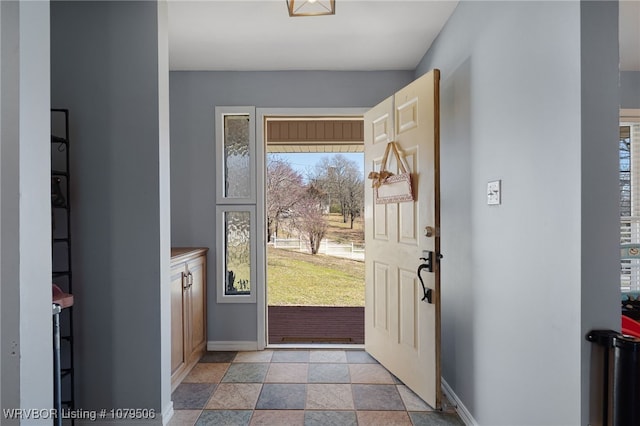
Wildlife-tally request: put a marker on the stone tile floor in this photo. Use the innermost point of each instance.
(299, 387)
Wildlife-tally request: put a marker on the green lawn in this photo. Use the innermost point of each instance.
(303, 279)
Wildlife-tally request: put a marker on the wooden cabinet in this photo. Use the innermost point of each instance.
(188, 310)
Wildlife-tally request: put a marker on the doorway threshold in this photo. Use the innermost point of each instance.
(327, 346)
(315, 324)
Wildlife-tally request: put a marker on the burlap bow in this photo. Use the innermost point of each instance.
(379, 177)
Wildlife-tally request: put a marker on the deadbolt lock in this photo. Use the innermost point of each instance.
(429, 231)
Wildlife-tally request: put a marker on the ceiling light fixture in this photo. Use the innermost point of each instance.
(311, 7)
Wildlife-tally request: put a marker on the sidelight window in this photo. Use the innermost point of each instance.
(236, 204)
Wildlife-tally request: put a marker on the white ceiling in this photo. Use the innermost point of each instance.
(248, 35)
(244, 35)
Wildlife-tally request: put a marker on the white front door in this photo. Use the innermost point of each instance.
(402, 331)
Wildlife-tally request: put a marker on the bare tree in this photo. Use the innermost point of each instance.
(309, 218)
(285, 189)
(354, 197)
(342, 180)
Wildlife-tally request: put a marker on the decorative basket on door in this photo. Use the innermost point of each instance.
(389, 187)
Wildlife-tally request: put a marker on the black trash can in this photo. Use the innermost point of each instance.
(621, 373)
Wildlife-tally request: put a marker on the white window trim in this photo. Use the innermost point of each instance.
(225, 204)
(220, 112)
(221, 279)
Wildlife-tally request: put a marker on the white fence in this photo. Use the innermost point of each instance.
(328, 247)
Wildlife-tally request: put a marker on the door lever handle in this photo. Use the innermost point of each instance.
(428, 264)
(428, 261)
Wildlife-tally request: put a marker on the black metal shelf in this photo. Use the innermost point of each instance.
(61, 250)
(58, 139)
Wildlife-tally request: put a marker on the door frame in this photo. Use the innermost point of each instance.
(261, 217)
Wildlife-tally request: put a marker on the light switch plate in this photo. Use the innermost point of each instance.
(493, 192)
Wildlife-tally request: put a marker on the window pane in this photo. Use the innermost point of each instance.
(624, 150)
(237, 156)
(238, 252)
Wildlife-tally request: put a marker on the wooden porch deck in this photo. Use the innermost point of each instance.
(316, 324)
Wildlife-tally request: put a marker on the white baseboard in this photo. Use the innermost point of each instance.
(462, 411)
(167, 413)
(232, 346)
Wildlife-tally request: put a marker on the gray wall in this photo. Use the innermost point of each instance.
(105, 69)
(194, 95)
(600, 205)
(630, 89)
(26, 370)
(524, 101)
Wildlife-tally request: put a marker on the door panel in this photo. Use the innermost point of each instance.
(382, 127)
(407, 116)
(177, 320)
(408, 309)
(408, 226)
(401, 330)
(196, 268)
(380, 221)
(380, 298)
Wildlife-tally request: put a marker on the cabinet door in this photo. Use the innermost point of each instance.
(196, 273)
(177, 317)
